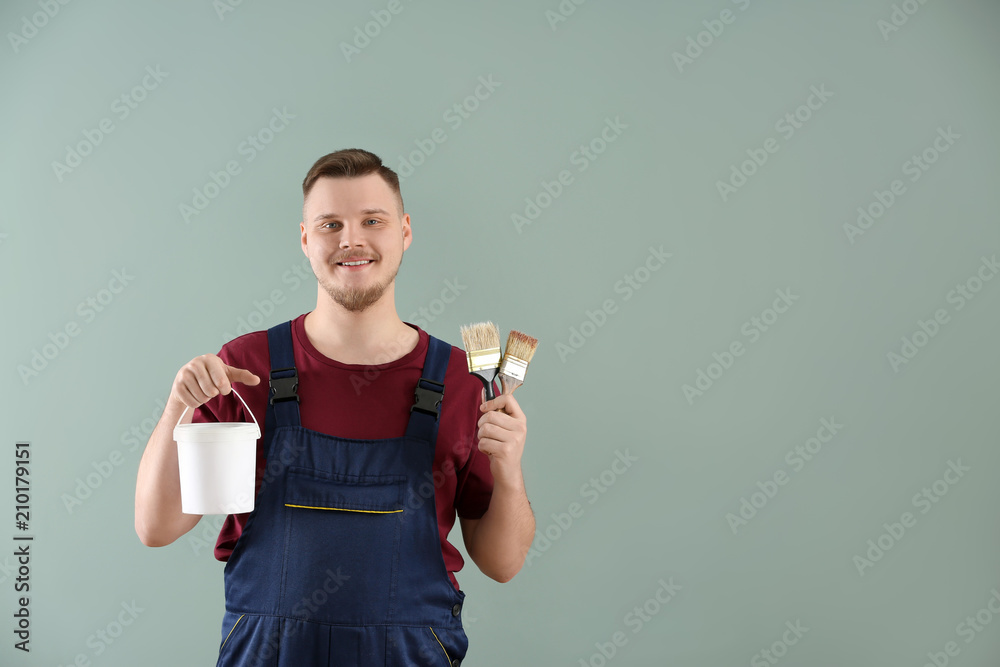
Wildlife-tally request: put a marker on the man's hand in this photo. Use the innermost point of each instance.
(205, 377)
(499, 541)
(502, 431)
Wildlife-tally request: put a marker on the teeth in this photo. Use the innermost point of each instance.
(356, 263)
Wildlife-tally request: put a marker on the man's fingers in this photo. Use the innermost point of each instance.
(187, 397)
(206, 383)
(220, 378)
(500, 419)
(506, 404)
(242, 376)
(513, 408)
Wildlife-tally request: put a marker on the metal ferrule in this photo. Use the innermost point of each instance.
(484, 359)
(514, 367)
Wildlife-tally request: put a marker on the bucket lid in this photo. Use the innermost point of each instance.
(216, 432)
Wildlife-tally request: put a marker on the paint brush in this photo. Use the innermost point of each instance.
(518, 352)
(482, 347)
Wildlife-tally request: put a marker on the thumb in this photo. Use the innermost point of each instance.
(242, 375)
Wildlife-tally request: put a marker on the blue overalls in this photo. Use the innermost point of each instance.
(340, 560)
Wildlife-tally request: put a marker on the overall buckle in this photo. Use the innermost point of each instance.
(428, 400)
(283, 388)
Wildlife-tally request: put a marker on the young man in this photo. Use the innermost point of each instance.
(364, 460)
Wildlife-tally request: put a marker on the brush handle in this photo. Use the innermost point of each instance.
(509, 384)
(487, 381)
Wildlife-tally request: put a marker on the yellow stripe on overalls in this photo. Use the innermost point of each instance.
(344, 509)
(440, 644)
(231, 631)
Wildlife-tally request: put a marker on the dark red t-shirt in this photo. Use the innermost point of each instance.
(368, 402)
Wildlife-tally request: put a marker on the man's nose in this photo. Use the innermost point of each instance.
(352, 235)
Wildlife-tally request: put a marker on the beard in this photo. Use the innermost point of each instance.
(358, 299)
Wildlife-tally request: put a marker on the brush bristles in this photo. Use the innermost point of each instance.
(521, 346)
(482, 346)
(520, 349)
(480, 336)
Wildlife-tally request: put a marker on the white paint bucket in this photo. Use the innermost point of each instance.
(217, 463)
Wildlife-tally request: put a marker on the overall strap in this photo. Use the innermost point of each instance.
(426, 410)
(283, 402)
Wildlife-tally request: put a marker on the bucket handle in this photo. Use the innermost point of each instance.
(241, 401)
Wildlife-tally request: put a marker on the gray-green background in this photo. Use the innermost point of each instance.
(828, 356)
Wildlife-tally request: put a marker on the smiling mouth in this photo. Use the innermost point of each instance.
(355, 266)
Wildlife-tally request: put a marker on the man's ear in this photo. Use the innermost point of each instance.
(407, 232)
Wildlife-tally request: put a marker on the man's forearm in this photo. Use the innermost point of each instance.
(506, 530)
(158, 517)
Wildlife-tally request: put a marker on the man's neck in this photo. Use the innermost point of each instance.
(373, 336)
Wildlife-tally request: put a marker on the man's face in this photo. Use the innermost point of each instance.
(354, 218)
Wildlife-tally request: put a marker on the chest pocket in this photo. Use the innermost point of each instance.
(320, 490)
(342, 538)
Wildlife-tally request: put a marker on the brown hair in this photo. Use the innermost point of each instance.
(350, 163)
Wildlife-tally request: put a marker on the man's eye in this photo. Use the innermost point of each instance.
(375, 220)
